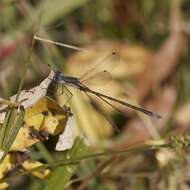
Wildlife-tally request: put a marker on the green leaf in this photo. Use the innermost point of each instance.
(15, 129)
(11, 126)
(9, 122)
(61, 175)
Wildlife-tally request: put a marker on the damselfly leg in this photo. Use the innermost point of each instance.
(55, 90)
(99, 110)
(71, 94)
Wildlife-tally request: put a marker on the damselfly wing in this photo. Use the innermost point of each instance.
(97, 73)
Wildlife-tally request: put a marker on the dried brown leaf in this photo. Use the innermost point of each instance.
(137, 131)
(182, 118)
(163, 63)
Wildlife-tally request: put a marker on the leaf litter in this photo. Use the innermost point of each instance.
(43, 117)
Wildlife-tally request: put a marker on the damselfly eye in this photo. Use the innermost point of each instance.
(58, 76)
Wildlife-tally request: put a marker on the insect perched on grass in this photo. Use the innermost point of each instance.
(79, 83)
(76, 83)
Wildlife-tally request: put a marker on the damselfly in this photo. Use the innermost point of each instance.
(76, 83)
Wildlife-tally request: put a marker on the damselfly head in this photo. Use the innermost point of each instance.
(58, 76)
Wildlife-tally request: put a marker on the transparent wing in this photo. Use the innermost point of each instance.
(101, 78)
(100, 72)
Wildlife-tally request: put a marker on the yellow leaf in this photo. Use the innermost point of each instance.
(3, 185)
(20, 160)
(5, 166)
(29, 165)
(42, 119)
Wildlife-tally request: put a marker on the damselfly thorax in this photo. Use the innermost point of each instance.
(67, 80)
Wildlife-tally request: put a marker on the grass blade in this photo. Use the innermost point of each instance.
(15, 129)
(7, 125)
(61, 176)
(13, 122)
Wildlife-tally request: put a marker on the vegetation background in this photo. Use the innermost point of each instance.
(152, 41)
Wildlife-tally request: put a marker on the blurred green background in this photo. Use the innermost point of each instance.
(152, 41)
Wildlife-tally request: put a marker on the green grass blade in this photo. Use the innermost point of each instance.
(26, 67)
(9, 121)
(15, 129)
(13, 122)
(45, 153)
(61, 175)
(3, 128)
